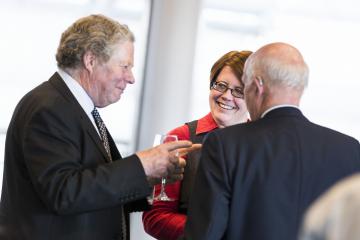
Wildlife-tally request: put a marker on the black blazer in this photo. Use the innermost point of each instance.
(255, 180)
(57, 182)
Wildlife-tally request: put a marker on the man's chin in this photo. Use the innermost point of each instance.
(116, 99)
(109, 102)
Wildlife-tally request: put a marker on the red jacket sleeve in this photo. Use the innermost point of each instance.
(164, 221)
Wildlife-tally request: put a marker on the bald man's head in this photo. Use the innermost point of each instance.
(276, 74)
(279, 64)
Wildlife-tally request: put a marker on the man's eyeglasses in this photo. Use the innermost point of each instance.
(223, 87)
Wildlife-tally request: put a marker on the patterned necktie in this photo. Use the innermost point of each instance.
(102, 130)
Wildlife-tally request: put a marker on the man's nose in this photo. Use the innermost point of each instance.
(130, 77)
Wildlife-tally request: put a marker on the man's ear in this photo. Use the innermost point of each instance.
(89, 61)
(259, 85)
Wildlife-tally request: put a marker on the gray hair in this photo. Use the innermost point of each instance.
(279, 67)
(95, 33)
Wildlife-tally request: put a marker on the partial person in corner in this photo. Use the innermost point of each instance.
(64, 178)
(336, 214)
(256, 180)
(166, 220)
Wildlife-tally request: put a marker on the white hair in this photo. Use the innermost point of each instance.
(276, 70)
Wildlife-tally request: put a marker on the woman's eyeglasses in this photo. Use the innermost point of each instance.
(223, 87)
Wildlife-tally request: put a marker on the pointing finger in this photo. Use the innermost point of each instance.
(170, 146)
(194, 147)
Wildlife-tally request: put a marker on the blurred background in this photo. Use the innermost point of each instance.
(177, 41)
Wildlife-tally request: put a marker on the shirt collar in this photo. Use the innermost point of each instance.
(278, 106)
(78, 91)
(206, 124)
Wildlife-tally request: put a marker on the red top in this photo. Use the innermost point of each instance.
(164, 221)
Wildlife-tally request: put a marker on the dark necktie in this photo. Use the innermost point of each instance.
(103, 134)
(102, 130)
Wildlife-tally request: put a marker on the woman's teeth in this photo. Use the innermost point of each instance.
(227, 107)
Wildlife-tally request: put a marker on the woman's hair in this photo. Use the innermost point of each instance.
(234, 59)
(95, 33)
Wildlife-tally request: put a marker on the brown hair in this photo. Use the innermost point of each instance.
(95, 33)
(234, 59)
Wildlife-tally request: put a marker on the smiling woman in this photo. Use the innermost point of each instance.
(166, 220)
(228, 107)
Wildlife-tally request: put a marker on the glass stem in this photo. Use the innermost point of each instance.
(163, 182)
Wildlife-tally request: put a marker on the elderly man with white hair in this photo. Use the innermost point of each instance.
(255, 180)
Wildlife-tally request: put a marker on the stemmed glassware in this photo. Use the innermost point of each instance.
(159, 139)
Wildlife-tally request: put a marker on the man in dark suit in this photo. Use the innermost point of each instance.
(63, 175)
(255, 180)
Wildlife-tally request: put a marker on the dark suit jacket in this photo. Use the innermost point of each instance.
(255, 180)
(58, 183)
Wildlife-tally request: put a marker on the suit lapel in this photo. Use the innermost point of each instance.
(94, 136)
(60, 85)
(115, 154)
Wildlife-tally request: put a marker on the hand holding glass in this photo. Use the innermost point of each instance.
(159, 139)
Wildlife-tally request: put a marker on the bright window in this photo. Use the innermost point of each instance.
(326, 32)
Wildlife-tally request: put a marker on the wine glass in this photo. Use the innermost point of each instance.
(159, 139)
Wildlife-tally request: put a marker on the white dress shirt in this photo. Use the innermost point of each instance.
(80, 94)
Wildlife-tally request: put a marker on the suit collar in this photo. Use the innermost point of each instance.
(278, 106)
(78, 92)
(288, 111)
(60, 85)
